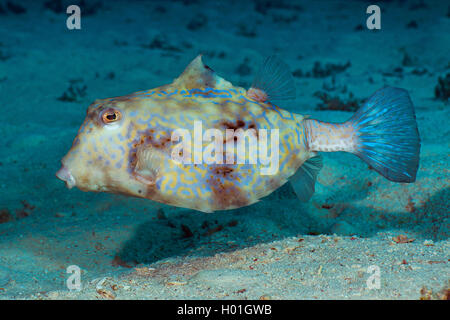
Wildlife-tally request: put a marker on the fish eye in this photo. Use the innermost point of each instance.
(111, 115)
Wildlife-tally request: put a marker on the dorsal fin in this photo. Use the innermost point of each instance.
(199, 76)
(273, 81)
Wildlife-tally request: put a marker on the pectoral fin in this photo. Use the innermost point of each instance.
(148, 164)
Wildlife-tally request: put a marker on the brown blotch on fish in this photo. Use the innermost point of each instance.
(253, 127)
(147, 138)
(94, 117)
(274, 183)
(230, 125)
(162, 143)
(151, 192)
(223, 171)
(226, 194)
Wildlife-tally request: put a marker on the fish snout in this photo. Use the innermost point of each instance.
(65, 175)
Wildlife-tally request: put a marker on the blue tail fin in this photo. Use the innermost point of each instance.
(387, 135)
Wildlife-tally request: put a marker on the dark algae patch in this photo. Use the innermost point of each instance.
(320, 70)
(5, 216)
(88, 7)
(442, 89)
(336, 103)
(15, 8)
(197, 22)
(75, 92)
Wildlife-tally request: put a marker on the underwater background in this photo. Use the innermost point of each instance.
(278, 248)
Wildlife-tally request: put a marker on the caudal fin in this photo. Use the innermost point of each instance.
(386, 134)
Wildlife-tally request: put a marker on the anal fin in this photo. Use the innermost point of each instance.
(304, 180)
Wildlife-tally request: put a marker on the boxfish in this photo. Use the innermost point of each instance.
(128, 144)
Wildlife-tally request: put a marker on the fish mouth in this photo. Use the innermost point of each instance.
(65, 175)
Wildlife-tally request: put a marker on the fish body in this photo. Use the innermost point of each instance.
(128, 144)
